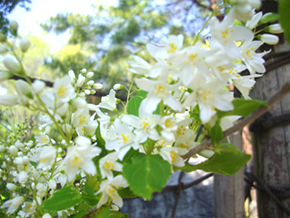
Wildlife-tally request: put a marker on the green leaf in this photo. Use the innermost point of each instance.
(62, 199)
(216, 133)
(102, 213)
(80, 214)
(242, 107)
(133, 105)
(284, 17)
(146, 174)
(225, 163)
(142, 94)
(126, 193)
(101, 144)
(118, 214)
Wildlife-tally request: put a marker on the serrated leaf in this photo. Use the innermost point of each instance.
(225, 163)
(284, 17)
(146, 174)
(126, 193)
(242, 107)
(142, 94)
(62, 199)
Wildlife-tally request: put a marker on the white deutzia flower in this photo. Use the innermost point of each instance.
(79, 158)
(109, 101)
(171, 46)
(124, 141)
(13, 204)
(172, 155)
(4, 75)
(253, 60)
(109, 163)
(29, 208)
(81, 117)
(168, 123)
(139, 66)
(269, 39)
(144, 124)
(108, 188)
(42, 139)
(80, 81)
(225, 35)
(251, 24)
(209, 95)
(45, 157)
(12, 64)
(22, 177)
(157, 91)
(63, 89)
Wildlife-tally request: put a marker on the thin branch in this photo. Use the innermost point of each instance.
(207, 144)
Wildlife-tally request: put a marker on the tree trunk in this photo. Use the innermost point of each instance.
(229, 190)
(271, 145)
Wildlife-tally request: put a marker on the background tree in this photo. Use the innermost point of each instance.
(6, 7)
(113, 33)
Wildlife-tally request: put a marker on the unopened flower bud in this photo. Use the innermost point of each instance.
(24, 45)
(90, 83)
(8, 100)
(13, 150)
(3, 49)
(18, 161)
(5, 75)
(80, 81)
(98, 86)
(93, 92)
(38, 86)
(11, 186)
(72, 75)
(118, 87)
(12, 64)
(88, 92)
(18, 144)
(269, 39)
(23, 88)
(26, 160)
(79, 103)
(90, 74)
(84, 70)
(13, 25)
(274, 28)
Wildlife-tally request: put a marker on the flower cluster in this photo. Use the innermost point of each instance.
(186, 87)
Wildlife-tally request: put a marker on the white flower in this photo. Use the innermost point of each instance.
(82, 141)
(29, 208)
(81, 117)
(23, 88)
(225, 35)
(124, 141)
(45, 157)
(251, 24)
(13, 25)
(72, 75)
(139, 66)
(109, 163)
(253, 60)
(4, 75)
(13, 204)
(98, 86)
(11, 186)
(42, 139)
(24, 45)
(80, 81)
(172, 155)
(144, 124)
(109, 101)
(47, 215)
(108, 188)
(22, 177)
(63, 89)
(269, 39)
(118, 86)
(38, 86)
(79, 158)
(274, 28)
(8, 100)
(12, 64)
(157, 91)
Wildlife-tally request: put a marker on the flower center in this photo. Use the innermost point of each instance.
(109, 165)
(61, 90)
(172, 48)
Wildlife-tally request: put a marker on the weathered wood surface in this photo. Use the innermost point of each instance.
(194, 202)
(271, 147)
(229, 190)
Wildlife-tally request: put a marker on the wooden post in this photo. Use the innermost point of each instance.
(229, 190)
(272, 145)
